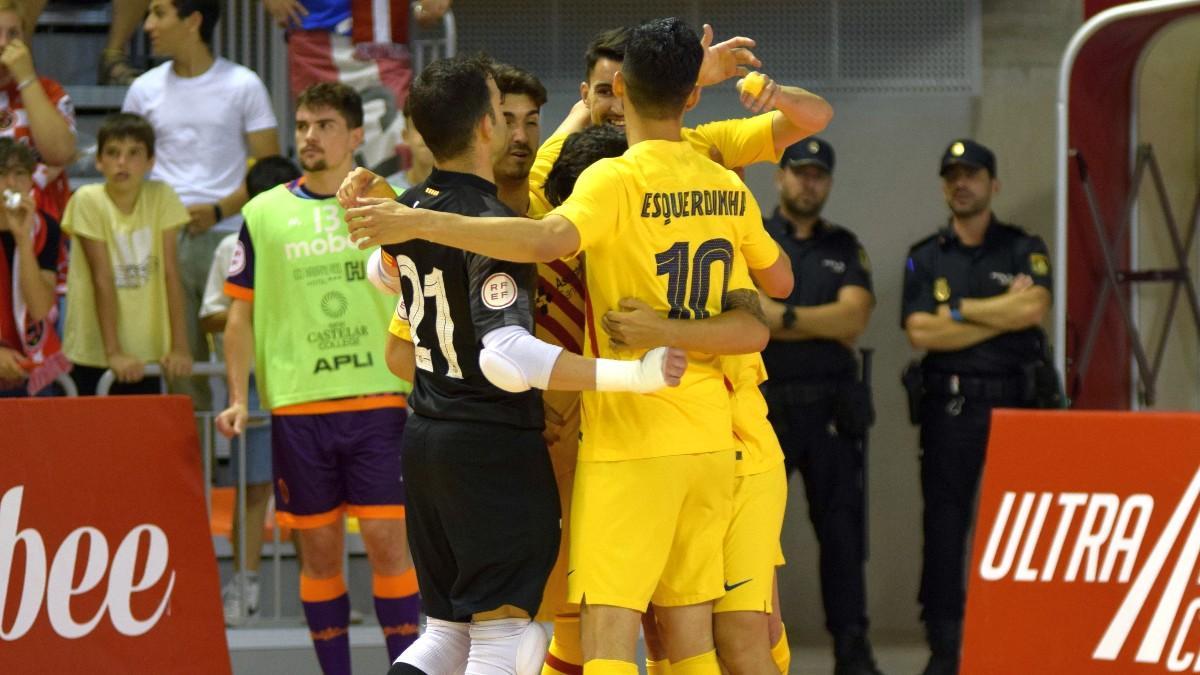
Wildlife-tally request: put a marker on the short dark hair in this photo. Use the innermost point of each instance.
(118, 126)
(513, 80)
(269, 172)
(14, 153)
(447, 101)
(340, 97)
(662, 61)
(581, 150)
(210, 13)
(609, 44)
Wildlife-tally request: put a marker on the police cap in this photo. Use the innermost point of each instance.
(811, 150)
(967, 152)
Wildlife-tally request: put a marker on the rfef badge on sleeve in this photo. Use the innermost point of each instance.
(499, 291)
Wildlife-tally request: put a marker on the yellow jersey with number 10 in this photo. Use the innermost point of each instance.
(662, 223)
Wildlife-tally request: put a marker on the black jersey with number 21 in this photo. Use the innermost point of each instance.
(452, 298)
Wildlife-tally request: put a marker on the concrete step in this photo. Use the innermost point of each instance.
(72, 16)
(289, 651)
(99, 98)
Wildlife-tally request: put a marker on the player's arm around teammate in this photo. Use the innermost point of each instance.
(514, 360)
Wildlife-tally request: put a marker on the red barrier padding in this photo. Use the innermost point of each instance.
(106, 562)
(1086, 545)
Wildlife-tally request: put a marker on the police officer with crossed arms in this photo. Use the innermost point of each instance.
(818, 409)
(975, 294)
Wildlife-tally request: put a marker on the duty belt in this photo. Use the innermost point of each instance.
(994, 387)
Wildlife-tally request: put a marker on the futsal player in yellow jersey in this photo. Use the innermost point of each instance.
(653, 491)
(734, 143)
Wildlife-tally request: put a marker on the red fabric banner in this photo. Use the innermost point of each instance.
(1086, 545)
(106, 562)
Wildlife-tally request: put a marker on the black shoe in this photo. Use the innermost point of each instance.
(945, 645)
(852, 653)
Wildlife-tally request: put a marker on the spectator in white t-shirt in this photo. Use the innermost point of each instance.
(209, 115)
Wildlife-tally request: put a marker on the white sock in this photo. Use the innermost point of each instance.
(441, 650)
(506, 647)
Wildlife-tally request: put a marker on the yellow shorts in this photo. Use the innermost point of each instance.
(563, 455)
(650, 530)
(752, 549)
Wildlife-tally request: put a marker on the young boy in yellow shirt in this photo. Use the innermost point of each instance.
(124, 300)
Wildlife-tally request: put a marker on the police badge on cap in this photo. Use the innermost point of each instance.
(811, 150)
(967, 152)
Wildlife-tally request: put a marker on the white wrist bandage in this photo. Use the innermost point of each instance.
(384, 277)
(642, 376)
(516, 361)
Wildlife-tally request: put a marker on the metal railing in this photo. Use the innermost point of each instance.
(207, 425)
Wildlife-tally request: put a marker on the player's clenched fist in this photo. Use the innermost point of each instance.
(377, 222)
(362, 183)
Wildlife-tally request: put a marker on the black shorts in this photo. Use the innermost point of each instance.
(483, 516)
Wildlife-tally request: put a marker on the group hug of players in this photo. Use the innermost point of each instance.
(660, 501)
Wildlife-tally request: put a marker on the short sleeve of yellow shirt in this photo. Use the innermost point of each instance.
(595, 205)
(756, 246)
(740, 142)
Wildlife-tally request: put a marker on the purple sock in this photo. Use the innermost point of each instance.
(329, 626)
(398, 618)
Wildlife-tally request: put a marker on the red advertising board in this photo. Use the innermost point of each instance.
(106, 563)
(1086, 545)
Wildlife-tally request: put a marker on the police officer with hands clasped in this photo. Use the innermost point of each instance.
(818, 406)
(975, 294)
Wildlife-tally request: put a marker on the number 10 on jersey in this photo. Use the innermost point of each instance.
(676, 262)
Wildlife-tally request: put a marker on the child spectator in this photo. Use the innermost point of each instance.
(124, 301)
(30, 357)
(240, 596)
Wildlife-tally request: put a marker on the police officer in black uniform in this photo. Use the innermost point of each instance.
(974, 295)
(813, 376)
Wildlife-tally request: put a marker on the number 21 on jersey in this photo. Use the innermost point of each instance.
(433, 288)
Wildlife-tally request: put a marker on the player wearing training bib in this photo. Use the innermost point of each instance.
(305, 314)
(654, 484)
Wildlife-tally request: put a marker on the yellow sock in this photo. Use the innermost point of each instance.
(782, 653)
(565, 656)
(662, 667)
(609, 667)
(701, 664)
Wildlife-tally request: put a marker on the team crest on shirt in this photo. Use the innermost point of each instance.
(499, 291)
(941, 289)
(7, 119)
(238, 262)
